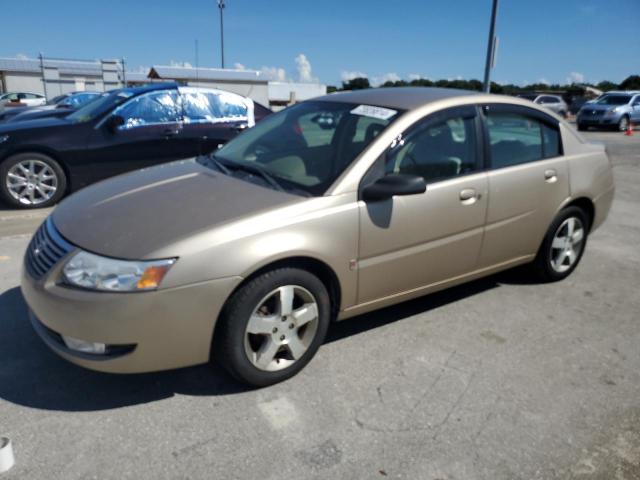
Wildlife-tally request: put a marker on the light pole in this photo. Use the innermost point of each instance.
(221, 7)
(491, 48)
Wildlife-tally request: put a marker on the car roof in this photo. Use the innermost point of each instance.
(402, 98)
(150, 87)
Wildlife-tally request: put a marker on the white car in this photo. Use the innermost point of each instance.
(28, 99)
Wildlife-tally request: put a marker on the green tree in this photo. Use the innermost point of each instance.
(632, 82)
(606, 85)
(357, 83)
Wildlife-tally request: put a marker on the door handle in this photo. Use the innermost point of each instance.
(469, 196)
(170, 132)
(550, 176)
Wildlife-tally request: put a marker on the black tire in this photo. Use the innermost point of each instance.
(228, 347)
(542, 265)
(582, 127)
(60, 180)
(623, 123)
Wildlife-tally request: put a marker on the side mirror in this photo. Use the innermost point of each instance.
(394, 184)
(114, 122)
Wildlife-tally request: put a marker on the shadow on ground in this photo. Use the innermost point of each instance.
(31, 375)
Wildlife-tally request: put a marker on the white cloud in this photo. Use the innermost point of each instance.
(21, 56)
(415, 76)
(346, 75)
(173, 63)
(575, 77)
(544, 80)
(387, 77)
(304, 69)
(239, 66)
(274, 73)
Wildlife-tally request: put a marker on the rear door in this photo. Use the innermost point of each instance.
(152, 123)
(408, 242)
(212, 118)
(528, 181)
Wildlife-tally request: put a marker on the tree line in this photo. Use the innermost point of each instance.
(632, 82)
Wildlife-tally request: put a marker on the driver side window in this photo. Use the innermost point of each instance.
(436, 149)
(151, 108)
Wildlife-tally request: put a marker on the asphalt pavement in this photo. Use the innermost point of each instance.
(497, 379)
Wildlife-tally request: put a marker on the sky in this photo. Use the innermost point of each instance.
(549, 41)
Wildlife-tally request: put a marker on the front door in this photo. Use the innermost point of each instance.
(409, 242)
(149, 136)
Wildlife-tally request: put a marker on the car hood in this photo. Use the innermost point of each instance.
(593, 106)
(48, 122)
(134, 215)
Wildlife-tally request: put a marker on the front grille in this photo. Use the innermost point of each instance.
(593, 113)
(46, 248)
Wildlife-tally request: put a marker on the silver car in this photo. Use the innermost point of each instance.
(248, 254)
(613, 109)
(555, 103)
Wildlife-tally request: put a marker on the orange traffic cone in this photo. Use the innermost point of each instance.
(629, 131)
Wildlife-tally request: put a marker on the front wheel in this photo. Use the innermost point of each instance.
(272, 326)
(31, 180)
(623, 124)
(563, 245)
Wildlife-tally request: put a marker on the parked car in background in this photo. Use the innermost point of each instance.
(57, 107)
(555, 103)
(22, 98)
(42, 160)
(247, 255)
(613, 109)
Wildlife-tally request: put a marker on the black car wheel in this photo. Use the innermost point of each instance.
(31, 180)
(582, 127)
(272, 326)
(563, 245)
(623, 124)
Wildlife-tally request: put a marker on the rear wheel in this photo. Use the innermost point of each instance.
(563, 245)
(31, 180)
(272, 326)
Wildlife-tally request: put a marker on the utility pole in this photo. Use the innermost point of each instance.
(124, 72)
(221, 6)
(44, 75)
(491, 48)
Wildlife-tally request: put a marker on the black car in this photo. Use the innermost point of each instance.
(127, 129)
(59, 106)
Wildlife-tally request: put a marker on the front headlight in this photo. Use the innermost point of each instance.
(93, 272)
(613, 110)
(4, 138)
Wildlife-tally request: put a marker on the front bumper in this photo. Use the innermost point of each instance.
(161, 330)
(598, 120)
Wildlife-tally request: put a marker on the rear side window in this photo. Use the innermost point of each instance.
(213, 107)
(515, 139)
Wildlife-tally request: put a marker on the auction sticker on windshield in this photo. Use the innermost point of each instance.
(374, 112)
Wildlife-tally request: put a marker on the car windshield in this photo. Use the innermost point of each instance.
(99, 106)
(307, 146)
(613, 100)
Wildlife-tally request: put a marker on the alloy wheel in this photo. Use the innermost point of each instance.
(567, 244)
(281, 328)
(32, 182)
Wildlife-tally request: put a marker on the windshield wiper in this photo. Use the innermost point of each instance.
(219, 165)
(255, 169)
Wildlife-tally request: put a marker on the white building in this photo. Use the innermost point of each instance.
(52, 77)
